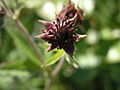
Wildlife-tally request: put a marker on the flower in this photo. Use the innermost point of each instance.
(69, 11)
(2, 12)
(61, 33)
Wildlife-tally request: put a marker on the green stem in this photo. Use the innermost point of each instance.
(23, 30)
(50, 79)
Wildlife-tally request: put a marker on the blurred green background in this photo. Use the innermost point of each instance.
(98, 54)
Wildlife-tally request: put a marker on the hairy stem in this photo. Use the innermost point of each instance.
(50, 81)
(58, 67)
(23, 30)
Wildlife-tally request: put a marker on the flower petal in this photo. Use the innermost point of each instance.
(44, 36)
(80, 17)
(80, 36)
(48, 25)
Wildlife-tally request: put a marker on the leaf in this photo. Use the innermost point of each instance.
(73, 61)
(14, 65)
(54, 58)
(20, 65)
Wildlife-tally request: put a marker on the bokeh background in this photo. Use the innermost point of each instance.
(98, 54)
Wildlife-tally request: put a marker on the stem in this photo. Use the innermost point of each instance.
(23, 30)
(7, 9)
(58, 67)
(29, 39)
(50, 81)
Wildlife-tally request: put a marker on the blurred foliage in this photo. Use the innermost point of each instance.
(98, 54)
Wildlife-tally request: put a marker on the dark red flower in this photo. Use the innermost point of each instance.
(2, 12)
(69, 11)
(61, 33)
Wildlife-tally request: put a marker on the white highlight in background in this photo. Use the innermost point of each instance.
(49, 10)
(92, 36)
(113, 55)
(87, 5)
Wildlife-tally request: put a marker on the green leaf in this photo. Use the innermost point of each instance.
(14, 65)
(54, 58)
(72, 60)
(20, 65)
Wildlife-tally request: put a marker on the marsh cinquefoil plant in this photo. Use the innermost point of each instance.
(61, 33)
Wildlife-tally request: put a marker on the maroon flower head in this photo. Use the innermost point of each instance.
(61, 33)
(69, 11)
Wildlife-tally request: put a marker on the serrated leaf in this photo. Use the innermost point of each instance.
(54, 58)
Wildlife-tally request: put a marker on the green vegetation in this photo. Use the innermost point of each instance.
(25, 64)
